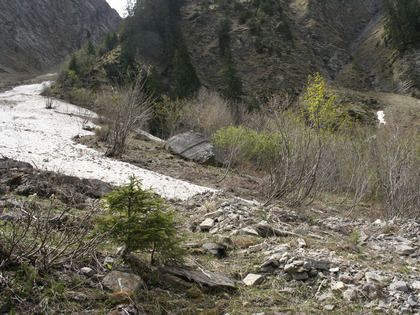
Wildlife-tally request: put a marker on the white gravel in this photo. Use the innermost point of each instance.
(43, 137)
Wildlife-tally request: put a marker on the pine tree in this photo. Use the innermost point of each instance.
(402, 24)
(140, 221)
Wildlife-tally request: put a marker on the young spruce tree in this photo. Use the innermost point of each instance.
(141, 222)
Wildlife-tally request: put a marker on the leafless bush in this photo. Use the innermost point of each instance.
(45, 237)
(207, 113)
(396, 151)
(297, 175)
(49, 102)
(124, 109)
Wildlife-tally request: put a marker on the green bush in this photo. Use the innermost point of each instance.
(261, 149)
(139, 220)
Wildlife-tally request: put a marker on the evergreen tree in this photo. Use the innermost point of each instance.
(140, 221)
(90, 49)
(184, 79)
(73, 63)
(232, 82)
(223, 30)
(402, 24)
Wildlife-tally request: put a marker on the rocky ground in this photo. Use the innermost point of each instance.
(243, 257)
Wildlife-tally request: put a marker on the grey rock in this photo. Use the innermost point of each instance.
(338, 286)
(207, 224)
(376, 279)
(404, 250)
(193, 146)
(371, 291)
(415, 285)
(87, 271)
(413, 300)
(214, 214)
(118, 281)
(329, 307)
(253, 279)
(201, 277)
(351, 294)
(216, 249)
(249, 230)
(346, 278)
(399, 286)
(300, 275)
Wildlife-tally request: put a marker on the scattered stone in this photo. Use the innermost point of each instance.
(371, 291)
(404, 250)
(300, 276)
(413, 300)
(415, 285)
(351, 295)
(192, 245)
(214, 214)
(329, 307)
(216, 249)
(201, 277)
(249, 230)
(301, 243)
(338, 286)
(399, 286)
(257, 248)
(207, 224)
(253, 279)
(334, 269)
(87, 271)
(374, 278)
(359, 276)
(346, 278)
(118, 281)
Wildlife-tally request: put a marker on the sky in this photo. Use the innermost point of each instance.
(118, 5)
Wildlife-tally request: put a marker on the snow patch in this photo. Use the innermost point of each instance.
(381, 117)
(43, 137)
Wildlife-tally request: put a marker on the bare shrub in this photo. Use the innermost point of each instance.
(45, 237)
(302, 168)
(396, 151)
(207, 113)
(124, 110)
(49, 102)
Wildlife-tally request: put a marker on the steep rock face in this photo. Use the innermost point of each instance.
(36, 35)
(304, 37)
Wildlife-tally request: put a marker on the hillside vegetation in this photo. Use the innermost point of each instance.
(317, 205)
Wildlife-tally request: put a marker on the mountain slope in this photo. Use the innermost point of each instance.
(36, 35)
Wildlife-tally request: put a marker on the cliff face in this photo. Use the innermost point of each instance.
(341, 39)
(36, 35)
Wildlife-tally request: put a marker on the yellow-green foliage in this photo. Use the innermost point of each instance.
(324, 116)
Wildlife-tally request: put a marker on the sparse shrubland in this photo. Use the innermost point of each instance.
(320, 150)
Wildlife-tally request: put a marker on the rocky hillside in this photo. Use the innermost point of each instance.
(36, 35)
(276, 51)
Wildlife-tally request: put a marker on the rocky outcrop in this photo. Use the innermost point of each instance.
(36, 35)
(193, 146)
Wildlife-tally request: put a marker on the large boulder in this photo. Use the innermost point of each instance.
(194, 146)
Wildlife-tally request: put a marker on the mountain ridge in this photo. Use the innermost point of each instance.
(37, 36)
